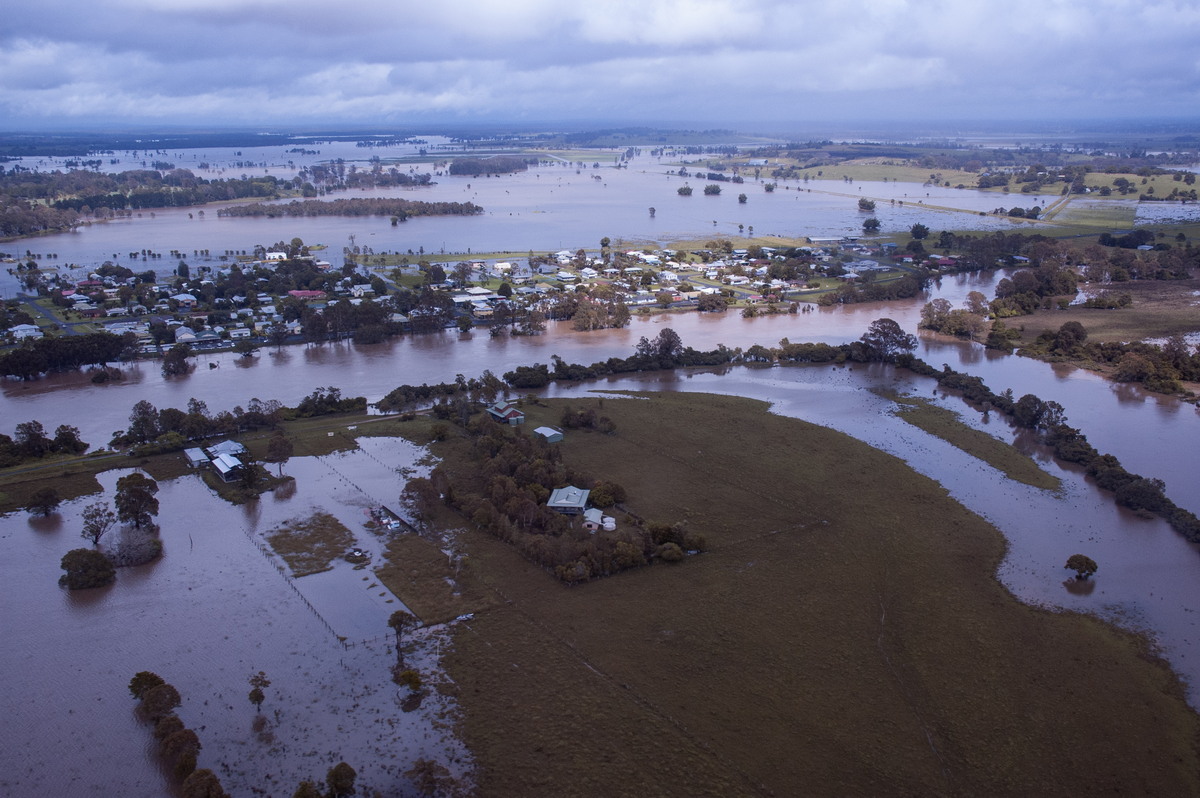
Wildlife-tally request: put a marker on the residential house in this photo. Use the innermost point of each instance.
(506, 413)
(569, 500)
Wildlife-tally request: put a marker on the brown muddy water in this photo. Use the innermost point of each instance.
(214, 610)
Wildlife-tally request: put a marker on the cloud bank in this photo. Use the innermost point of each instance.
(734, 62)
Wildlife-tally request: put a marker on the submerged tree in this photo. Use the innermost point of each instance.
(135, 499)
(258, 682)
(885, 339)
(1083, 565)
(279, 450)
(86, 568)
(340, 780)
(399, 622)
(142, 682)
(43, 502)
(97, 519)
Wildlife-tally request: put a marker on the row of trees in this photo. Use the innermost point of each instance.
(1048, 420)
(179, 746)
(397, 208)
(35, 357)
(170, 429)
(30, 442)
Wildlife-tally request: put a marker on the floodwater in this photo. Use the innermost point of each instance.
(552, 206)
(214, 610)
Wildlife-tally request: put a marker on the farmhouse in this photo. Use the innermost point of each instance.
(506, 413)
(569, 500)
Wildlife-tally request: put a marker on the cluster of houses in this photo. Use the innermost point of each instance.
(642, 278)
(224, 458)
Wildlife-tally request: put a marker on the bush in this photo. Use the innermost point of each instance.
(669, 552)
(86, 568)
(406, 677)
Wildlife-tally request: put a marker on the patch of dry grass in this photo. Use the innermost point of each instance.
(310, 545)
(1160, 308)
(423, 577)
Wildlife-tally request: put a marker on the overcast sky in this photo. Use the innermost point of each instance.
(746, 64)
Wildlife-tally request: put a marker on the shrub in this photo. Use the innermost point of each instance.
(86, 568)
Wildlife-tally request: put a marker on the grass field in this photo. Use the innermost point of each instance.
(310, 545)
(948, 426)
(1160, 308)
(843, 635)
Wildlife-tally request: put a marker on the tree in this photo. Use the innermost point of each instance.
(97, 519)
(684, 191)
(43, 501)
(175, 362)
(977, 303)
(885, 339)
(160, 701)
(143, 423)
(135, 499)
(31, 439)
(871, 225)
(865, 204)
(245, 347)
(400, 621)
(142, 682)
(181, 745)
(919, 231)
(307, 789)
(203, 783)
(340, 780)
(277, 334)
(430, 777)
(279, 450)
(85, 569)
(741, 199)
(258, 683)
(1083, 565)
(712, 190)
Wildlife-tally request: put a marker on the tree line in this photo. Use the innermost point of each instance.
(152, 430)
(65, 353)
(496, 165)
(398, 208)
(1048, 420)
(885, 341)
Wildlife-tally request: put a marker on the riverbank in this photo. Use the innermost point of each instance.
(846, 615)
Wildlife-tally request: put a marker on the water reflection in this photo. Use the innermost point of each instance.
(1080, 587)
(46, 524)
